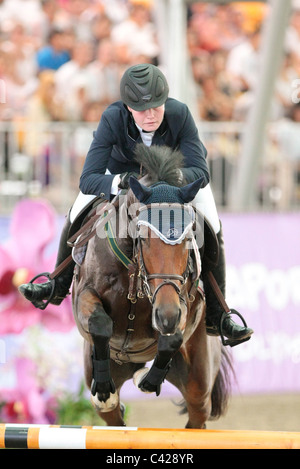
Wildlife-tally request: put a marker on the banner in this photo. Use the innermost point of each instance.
(263, 283)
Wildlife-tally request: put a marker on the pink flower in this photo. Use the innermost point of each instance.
(27, 403)
(23, 256)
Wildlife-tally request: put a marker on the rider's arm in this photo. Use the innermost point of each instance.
(93, 179)
(188, 142)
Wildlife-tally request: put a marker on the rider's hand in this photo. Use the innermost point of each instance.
(124, 179)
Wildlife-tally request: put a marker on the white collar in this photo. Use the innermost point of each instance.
(146, 136)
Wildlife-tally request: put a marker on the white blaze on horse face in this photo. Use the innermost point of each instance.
(168, 264)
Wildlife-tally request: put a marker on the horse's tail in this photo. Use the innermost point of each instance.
(222, 387)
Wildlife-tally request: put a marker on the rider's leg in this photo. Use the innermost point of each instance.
(36, 293)
(204, 202)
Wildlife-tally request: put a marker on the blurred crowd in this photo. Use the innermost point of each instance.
(61, 61)
(225, 49)
(224, 44)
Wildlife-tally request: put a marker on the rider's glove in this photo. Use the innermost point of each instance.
(124, 179)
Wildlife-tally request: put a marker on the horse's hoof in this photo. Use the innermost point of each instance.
(138, 377)
(110, 404)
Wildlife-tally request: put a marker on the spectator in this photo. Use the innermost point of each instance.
(244, 61)
(104, 74)
(26, 12)
(293, 34)
(249, 15)
(55, 53)
(17, 90)
(72, 80)
(42, 107)
(100, 28)
(138, 32)
(287, 76)
(77, 15)
(50, 10)
(214, 104)
(218, 62)
(116, 10)
(23, 48)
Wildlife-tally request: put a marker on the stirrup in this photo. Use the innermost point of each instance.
(232, 342)
(43, 304)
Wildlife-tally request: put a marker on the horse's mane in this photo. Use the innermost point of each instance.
(161, 163)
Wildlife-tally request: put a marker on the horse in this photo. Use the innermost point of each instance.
(136, 299)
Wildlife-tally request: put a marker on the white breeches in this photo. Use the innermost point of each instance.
(204, 202)
(81, 201)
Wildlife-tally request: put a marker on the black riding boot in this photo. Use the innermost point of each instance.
(216, 321)
(37, 293)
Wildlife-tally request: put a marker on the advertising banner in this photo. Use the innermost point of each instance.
(263, 283)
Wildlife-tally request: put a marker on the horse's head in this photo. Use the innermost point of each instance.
(164, 223)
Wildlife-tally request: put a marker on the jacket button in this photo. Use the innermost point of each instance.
(102, 194)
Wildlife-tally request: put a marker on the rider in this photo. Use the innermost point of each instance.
(144, 114)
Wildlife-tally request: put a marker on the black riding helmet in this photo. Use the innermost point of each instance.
(143, 87)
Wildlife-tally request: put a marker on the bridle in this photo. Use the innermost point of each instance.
(168, 279)
(143, 277)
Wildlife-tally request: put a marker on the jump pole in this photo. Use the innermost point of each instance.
(21, 436)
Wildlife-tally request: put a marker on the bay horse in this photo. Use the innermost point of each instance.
(136, 299)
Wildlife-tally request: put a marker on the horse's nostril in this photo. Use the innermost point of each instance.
(167, 322)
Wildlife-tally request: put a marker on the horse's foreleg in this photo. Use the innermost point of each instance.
(101, 328)
(151, 380)
(98, 328)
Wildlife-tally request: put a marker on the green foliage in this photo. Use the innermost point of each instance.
(76, 410)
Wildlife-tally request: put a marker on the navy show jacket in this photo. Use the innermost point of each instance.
(114, 142)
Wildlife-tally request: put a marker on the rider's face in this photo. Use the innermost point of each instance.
(150, 119)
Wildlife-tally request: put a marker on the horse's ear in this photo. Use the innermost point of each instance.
(140, 191)
(189, 191)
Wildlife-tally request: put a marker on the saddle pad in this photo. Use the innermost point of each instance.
(78, 253)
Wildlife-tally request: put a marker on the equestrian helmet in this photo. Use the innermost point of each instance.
(143, 87)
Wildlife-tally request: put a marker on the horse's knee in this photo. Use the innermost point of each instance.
(99, 323)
